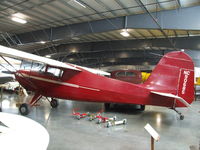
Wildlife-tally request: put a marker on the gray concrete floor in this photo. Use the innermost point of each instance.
(68, 133)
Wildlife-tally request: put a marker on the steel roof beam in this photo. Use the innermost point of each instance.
(191, 43)
(183, 19)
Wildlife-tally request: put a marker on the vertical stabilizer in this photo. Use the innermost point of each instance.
(174, 74)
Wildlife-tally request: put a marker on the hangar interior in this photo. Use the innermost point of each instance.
(107, 35)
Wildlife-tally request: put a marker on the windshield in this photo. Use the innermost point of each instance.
(32, 66)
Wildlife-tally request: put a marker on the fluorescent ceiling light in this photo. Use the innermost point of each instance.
(71, 59)
(80, 3)
(125, 34)
(73, 50)
(182, 50)
(19, 20)
(42, 42)
(48, 56)
(75, 38)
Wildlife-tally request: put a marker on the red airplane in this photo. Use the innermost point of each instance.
(171, 83)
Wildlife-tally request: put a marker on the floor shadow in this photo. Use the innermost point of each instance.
(125, 109)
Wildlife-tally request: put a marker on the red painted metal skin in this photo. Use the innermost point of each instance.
(174, 74)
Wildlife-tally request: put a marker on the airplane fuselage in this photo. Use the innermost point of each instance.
(86, 86)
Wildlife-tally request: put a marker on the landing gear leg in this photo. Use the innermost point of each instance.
(180, 114)
(24, 108)
(107, 106)
(142, 107)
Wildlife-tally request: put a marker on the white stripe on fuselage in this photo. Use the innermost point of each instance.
(57, 82)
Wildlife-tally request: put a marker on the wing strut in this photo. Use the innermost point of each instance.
(16, 71)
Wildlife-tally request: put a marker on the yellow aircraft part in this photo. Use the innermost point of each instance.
(145, 76)
(197, 81)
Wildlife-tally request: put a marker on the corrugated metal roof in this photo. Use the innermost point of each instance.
(113, 35)
(42, 14)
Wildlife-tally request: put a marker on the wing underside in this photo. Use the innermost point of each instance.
(10, 52)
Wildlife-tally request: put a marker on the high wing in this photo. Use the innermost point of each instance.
(172, 96)
(10, 52)
(95, 71)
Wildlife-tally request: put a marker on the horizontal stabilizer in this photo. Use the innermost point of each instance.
(172, 96)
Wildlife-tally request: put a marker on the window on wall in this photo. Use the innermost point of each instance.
(56, 72)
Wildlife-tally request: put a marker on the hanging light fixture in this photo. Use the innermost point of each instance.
(125, 33)
(19, 17)
(19, 20)
(81, 4)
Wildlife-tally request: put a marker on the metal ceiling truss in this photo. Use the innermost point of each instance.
(191, 43)
(119, 61)
(187, 20)
(42, 20)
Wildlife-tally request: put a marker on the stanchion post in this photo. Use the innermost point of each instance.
(153, 133)
(152, 143)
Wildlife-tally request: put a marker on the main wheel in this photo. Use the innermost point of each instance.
(142, 107)
(107, 106)
(24, 109)
(54, 103)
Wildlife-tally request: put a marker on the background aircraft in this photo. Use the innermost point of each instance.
(171, 83)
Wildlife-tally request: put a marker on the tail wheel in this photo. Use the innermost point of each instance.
(24, 109)
(107, 106)
(54, 103)
(142, 107)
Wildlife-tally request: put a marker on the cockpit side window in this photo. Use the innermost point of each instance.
(55, 72)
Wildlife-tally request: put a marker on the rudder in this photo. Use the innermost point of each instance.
(174, 74)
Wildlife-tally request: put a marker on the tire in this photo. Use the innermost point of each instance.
(24, 109)
(107, 106)
(142, 107)
(54, 103)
